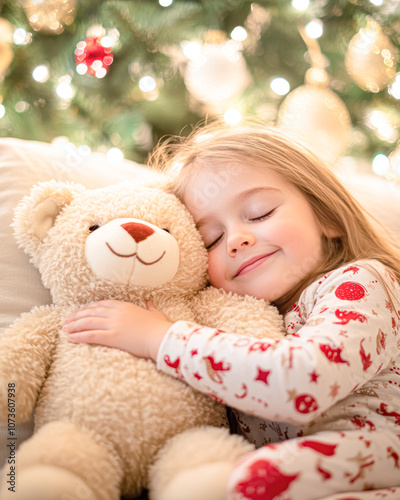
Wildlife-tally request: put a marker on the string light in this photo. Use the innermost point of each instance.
(191, 50)
(232, 116)
(280, 86)
(64, 89)
(21, 37)
(21, 106)
(147, 84)
(315, 28)
(41, 73)
(2, 110)
(239, 34)
(380, 164)
(300, 4)
(165, 3)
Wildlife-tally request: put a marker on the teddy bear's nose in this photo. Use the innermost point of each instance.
(139, 232)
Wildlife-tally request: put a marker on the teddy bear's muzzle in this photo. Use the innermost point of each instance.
(132, 252)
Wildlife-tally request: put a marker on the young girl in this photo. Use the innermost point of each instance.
(323, 404)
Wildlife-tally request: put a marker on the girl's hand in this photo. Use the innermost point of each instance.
(123, 325)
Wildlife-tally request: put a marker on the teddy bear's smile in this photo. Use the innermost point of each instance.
(135, 254)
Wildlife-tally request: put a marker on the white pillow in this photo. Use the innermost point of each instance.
(22, 164)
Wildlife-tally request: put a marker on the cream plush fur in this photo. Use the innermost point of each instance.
(105, 421)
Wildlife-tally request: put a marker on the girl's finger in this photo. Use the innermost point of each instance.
(88, 337)
(85, 324)
(100, 312)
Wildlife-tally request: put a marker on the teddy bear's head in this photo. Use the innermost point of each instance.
(119, 242)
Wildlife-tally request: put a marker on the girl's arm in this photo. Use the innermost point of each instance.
(347, 335)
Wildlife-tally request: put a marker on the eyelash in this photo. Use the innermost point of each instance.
(263, 217)
(256, 219)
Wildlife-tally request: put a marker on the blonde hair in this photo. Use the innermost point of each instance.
(358, 235)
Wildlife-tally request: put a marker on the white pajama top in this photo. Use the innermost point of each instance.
(337, 368)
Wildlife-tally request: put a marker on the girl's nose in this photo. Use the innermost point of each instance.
(238, 242)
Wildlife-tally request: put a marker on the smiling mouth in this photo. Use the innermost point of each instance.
(135, 254)
(253, 265)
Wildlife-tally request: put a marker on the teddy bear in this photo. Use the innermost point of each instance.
(107, 423)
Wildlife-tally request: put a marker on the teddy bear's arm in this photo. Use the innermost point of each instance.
(26, 350)
(243, 315)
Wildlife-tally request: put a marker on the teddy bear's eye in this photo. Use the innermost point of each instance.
(165, 229)
(93, 228)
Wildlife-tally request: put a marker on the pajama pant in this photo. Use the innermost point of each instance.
(348, 465)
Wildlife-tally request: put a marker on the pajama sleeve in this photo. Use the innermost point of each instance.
(347, 333)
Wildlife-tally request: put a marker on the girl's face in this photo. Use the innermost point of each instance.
(260, 231)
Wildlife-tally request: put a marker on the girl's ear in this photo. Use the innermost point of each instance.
(37, 212)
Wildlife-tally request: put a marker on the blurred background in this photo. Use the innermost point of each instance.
(116, 76)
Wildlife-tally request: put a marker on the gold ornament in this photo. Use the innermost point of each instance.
(371, 58)
(219, 73)
(6, 37)
(314, 112)
(50, 16)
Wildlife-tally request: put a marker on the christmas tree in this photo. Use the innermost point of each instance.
(119, 75)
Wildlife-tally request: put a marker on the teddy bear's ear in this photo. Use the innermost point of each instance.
(37, 212)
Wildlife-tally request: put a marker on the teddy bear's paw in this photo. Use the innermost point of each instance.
(45, 482)
(205, 482)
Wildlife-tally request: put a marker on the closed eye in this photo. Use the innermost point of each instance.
(263, 217)
(214, 243)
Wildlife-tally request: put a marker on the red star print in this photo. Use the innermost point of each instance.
(313, 376)
(263, 375)
(197, 375)
(194, 352)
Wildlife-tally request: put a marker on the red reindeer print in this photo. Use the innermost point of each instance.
(380, 341)
(324, 473)
(363, 463)
(392, 453)
(350, 290)
(361, 422)
(265, 481)
(214, 368)
(305, 403)
(173, 364)
(346, 316)
(365, 358)
(354, 269)
(324, 448)
(333, 355)
(383, 410)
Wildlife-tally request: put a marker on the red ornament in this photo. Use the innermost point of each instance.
(94, 56)
(305, 403)
(350, 290)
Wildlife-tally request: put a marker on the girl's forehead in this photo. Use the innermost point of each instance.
(234, 174)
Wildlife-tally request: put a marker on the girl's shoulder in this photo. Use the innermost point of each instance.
(352, 282)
